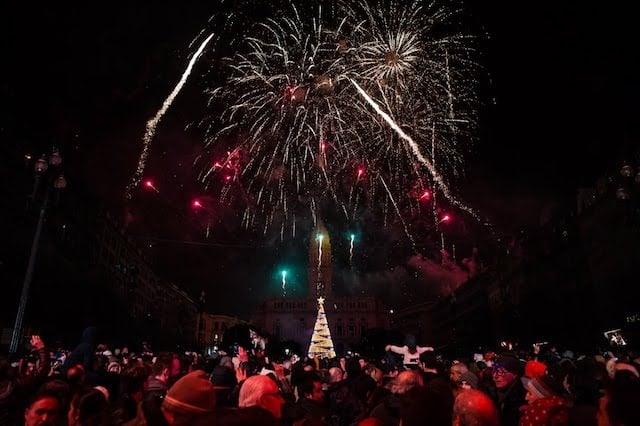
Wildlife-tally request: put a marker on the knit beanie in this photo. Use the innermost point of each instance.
(542, 387)
(192, 394)
(509, 363)
(470, 378)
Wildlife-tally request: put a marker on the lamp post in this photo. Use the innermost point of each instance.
(49, 171)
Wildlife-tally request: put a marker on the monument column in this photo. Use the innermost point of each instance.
(319, 273)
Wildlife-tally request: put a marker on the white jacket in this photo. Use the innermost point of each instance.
(409, 358)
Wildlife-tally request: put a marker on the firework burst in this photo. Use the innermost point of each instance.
(370, 105)
(420, 72)
(286, 95)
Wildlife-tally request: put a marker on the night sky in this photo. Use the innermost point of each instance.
(560, 109)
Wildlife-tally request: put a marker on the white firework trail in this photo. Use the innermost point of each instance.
(416, 151)
(320, 238)
(351, 248)
(153, 123)
(284, 283)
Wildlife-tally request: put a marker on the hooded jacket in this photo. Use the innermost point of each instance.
(84, 352)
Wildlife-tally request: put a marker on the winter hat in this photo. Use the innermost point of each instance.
(628, 367)
(470, 378)
(568, 354)
(265, 372)
(536, 387)
(104, 391)
(192, 394)
(509, 363)
(534, 369)
(542, 387)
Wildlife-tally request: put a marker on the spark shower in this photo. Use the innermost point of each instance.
(365, 105)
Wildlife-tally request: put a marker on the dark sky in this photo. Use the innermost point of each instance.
(561, 108)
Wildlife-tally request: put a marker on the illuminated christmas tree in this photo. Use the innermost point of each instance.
(321, 343)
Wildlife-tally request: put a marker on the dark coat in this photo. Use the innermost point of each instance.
(345, 407)
(83, 353)
(509, 402)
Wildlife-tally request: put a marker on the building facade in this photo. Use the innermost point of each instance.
(568, 280)
(293, 318)
(158, 310)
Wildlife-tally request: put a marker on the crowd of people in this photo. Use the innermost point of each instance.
(95, 384)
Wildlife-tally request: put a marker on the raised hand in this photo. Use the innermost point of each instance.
(279, 368)
(241, 373)
(36, 343)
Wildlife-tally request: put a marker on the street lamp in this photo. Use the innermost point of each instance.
(49, 171)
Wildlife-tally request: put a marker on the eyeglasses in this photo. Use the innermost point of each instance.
(499, 371)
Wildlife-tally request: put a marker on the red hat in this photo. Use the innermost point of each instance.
(192, 394)
(534, 369)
